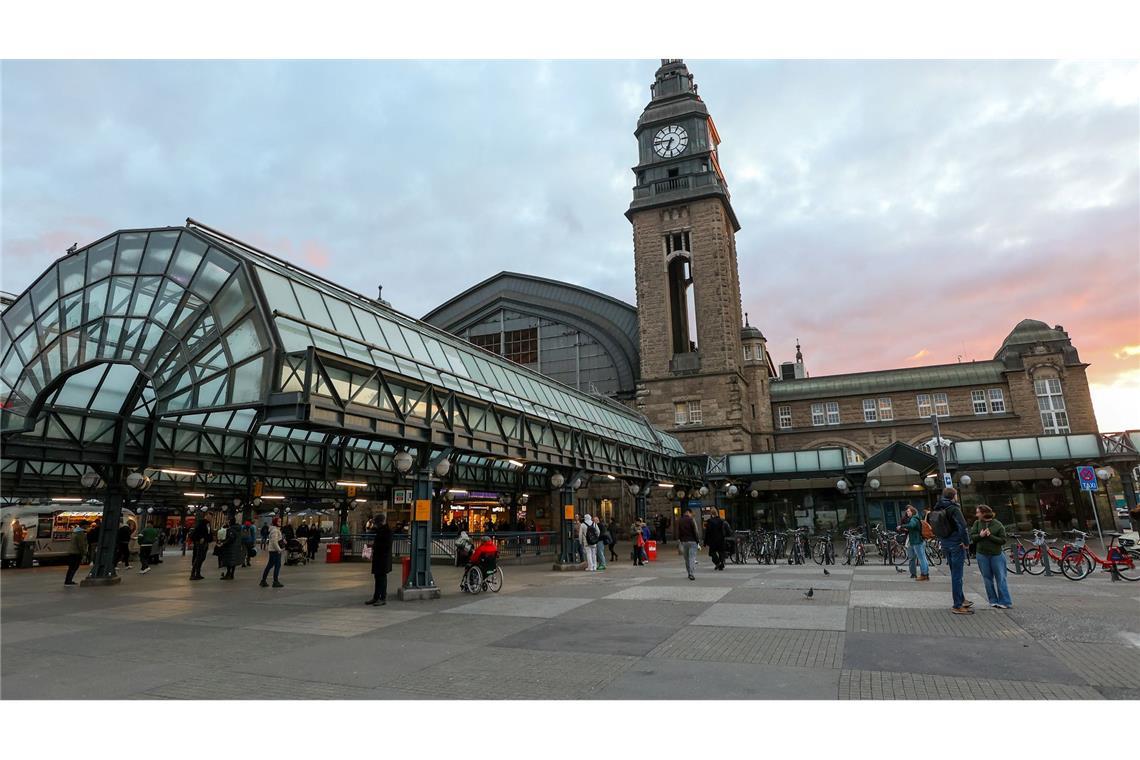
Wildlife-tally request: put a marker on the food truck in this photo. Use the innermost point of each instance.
(49, 529)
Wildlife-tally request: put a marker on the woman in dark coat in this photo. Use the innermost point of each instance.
(313, 541)
(381, 561)
(229, 550)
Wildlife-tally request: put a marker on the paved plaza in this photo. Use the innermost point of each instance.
(626, 633)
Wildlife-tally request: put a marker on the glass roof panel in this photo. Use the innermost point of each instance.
(100, 258)
(130, 252)
(342, 319)
(212, 274)
(312, 305)
(72, 271)
(186, 259)
(159, 248)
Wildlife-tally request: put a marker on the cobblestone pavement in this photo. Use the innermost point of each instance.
(627, 633)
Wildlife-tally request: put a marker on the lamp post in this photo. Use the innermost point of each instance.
(562, 494)
(1103, 475)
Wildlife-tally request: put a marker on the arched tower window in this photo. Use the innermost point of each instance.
(682, 314)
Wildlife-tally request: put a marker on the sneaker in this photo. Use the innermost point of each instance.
(144, 571)
(1002, 606)
(70, 583)
(967, 603)
(371, 601)
(278, 585)
(692, 578)
(962, 610)
(263, 584)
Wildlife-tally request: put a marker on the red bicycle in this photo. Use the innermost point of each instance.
(1078, 564)
(1033, 559)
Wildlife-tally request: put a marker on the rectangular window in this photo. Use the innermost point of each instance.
(923, 401)
(695, 411)
(832, 412)
(1051, 404)
(785, 416)
(677, 241)
(680, 413)
(941, 405)
(978, 399)
(488, 342)
(870, 410)
(522, 345)
(997, 400)
(747, 352)
(817, 414)
(886, 411)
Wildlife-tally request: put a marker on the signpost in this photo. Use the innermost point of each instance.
(1086, 476)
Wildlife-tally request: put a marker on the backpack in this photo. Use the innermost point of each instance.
(592, 534)
(941, 523)
(927, 531)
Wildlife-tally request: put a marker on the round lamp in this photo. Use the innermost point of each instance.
(89, 479)
(965, 480)
(754, 493)
(874, 483)
(732, 491)
(442, 468)
(403, 462)
(1103, 474)
(1056, 482)
(634, 488)
(841, 484)
(557, 479)
(134, 480)
(704, 491)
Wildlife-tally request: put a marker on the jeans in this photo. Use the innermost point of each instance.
(689, 549)
(993, 574)
(274, 563)
(917, 552)
(601, 555)
(956, 558)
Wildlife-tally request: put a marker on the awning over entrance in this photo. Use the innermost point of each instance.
(900, 453)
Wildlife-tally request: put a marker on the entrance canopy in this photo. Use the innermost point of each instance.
(185, 350)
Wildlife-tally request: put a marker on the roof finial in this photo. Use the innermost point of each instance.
(799, 353)
(746, 319)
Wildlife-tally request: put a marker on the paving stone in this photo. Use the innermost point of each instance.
(1045, 623)
(651, 612)
(965, 658)
(809, 616)
(869, 684)
(816, 582)
(985, 624)
(339, 622)
(659, 678)
(31, 630)
(519, 606)
(910, 598)
(90, 678)
(799, 649)
(691, 593)
(153, 610)
(502, 673)
(566, 634)
(1099, 664)
(785, 596)
(476, 630)
(250, 686)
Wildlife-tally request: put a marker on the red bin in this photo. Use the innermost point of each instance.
(332, 552)
(405, 570)
(651, 550)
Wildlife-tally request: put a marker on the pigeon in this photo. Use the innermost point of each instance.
(810, 593)
(825, 571)
(899, 569)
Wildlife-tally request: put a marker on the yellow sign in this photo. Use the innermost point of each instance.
(350, 491)
(568, 511)
(423, 510)
(721, 513)
(257, 485)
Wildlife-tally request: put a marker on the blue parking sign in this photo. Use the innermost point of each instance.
(1086, 476)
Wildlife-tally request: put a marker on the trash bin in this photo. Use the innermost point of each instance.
(25, 553)
(405, 570)
(651, 550)
(332, 553)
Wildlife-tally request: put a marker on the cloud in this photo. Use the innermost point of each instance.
(920, 355)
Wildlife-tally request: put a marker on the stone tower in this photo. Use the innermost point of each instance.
(693, 377)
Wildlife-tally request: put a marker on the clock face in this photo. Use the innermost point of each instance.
(670, 141)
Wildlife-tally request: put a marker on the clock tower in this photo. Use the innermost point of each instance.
(694, 379)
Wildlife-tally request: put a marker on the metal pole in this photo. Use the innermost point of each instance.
(103, 566)
(1096, 517)
(565, 526)
(938, 448)
(421, 584)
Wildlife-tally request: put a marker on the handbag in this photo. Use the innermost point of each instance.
(252, 552)
(366, 553)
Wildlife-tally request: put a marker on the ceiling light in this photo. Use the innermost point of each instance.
(66, 498)
(348, 483)
(186, 473)
(273, 498)
(664, 485)
(611, 477)
(194, 495)
(456, 491)
(360, 500)
(515, 463)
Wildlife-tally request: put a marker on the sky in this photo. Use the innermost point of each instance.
(893, 213)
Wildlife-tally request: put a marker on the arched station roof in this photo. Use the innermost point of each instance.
(241, 364)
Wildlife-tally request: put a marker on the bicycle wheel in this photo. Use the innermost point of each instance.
(1127, 563)
(474, 578)
(495, 580)
(898, 555)
(860, 555)
(1074, 567)
(820, 553)
(1031, 562)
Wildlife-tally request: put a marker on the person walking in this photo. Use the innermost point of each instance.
(915, 545)
(381, 561)
(587, 531)
(248, 541)
(949, 525)
(687, 535)
(274, 544)
(200, 539)
(600, 547)
(989, 535)
(147, 538)
(610, 537)
(230, 551)
(638, 544)
(313, 541)
(264, 535)
(123, 545)
(76, 551)
(715, 540)
(93, 539)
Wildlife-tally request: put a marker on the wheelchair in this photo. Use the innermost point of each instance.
(487, 575)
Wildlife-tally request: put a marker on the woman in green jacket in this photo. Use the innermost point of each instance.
(989, 535)
(915, 545)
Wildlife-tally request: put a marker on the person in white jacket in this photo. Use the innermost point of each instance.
(587, 548)
(273, 552)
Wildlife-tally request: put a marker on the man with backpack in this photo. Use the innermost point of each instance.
(949, 526)
(588, 538)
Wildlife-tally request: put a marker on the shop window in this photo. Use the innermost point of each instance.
(978, 399)
(785, 415)
(870, 410)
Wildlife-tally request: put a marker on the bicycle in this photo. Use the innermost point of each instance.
(1034, 560)
(934, 554)
(855, 553)
(824, 553)
(1076, 568)
(795, 541)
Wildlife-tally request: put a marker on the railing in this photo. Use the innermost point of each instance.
(510, 544)
(669, 185)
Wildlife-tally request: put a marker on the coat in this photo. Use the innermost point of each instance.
(229, 550)
(382, 550)
(714, 533)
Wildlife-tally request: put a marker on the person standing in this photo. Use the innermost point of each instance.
(955, 539)
(274, 544)
(264, 535)
(609, 536)
(248, 541)
(587, 531)
(989, 535)
(313, 541)
(200, 542)
(638, 544)
(915, 545)
(714, 540)
(93, 539)
(381, 561)
(600, 547)
(687, 535)
(229, 549)
(76, 550)
(147, 538)
(123, 545)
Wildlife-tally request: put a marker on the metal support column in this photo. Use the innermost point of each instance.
(421, 584)
(103, 566)
(641, 503)
(1125, 473)
(861, 508)
(567, 556)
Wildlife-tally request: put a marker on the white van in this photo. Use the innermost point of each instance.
(50, 529)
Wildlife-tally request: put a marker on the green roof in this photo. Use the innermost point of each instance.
(870, 383)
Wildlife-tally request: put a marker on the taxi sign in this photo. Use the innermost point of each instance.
(1086, 476)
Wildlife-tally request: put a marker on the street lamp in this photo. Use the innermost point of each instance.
(704, 491)
(557, 479)
(442, 467)
(965, 480)
(732, 491)
(403, 462)
(634, 488)
(841, 484)
(1056, 482)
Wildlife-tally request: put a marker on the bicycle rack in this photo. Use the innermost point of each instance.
(1041, 542)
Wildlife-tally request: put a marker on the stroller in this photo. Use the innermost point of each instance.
(295, 553)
